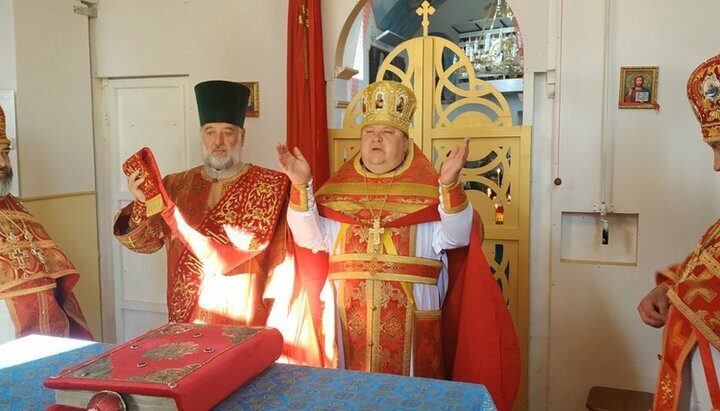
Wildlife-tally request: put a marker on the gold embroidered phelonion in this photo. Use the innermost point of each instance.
(17, 254)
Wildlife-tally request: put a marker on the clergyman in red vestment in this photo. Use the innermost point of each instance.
(405, 284)
(686, 299)
(229, 235)
(36, 277)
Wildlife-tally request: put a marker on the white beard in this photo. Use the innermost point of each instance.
(6, 182)
(228, 161)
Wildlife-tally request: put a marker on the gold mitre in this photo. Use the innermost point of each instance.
(703, 90)
(389, 103)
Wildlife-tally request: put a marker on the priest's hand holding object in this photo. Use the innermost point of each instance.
(134, 181)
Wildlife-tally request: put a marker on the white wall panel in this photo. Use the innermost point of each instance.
(141, 38)
(657, 168)
(141, 113)
(53, 100)
(153, 116)
(7, 46)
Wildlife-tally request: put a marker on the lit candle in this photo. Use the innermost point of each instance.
(498, 177)
(489, 192)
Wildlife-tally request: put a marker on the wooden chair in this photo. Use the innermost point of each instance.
(616, 399)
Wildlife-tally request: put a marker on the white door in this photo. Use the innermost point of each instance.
(140, 112)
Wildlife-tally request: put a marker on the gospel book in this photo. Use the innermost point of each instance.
(175, 366)
(152, 187)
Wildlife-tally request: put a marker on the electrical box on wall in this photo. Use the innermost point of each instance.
(582, 239)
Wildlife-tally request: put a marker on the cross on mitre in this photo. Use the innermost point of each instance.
(425, 10)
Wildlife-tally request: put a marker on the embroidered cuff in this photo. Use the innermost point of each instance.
(667, 276)
(299, 196)
(453, 198)
(139, 214)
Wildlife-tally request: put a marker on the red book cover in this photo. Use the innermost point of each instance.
(152, 187)
(197, 365)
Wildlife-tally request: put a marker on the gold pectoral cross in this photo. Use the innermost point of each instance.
(40, 255)
(376, 231)
(19, 256)
(11, 237)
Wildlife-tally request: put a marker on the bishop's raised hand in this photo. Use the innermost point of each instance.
(293, 164)
(455, 161)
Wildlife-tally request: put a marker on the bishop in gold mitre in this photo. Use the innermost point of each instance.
(400, 267)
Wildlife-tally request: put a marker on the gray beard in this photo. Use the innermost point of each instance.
(5, 181)
(226, 164)
(219, 163)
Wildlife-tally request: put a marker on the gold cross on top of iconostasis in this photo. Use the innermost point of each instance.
(425, 10)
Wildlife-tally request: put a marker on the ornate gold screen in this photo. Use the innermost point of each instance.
(497, 173)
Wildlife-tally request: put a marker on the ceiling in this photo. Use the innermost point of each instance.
(399, 21)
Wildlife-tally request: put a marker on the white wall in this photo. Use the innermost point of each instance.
(335, 14)
(657, 168)
(223, 39)
(540, 245)
(44, 59)
(142, 38)
(8, 79)
(53, 103)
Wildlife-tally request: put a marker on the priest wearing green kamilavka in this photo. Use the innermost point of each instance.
(220, 281)
(223, 227)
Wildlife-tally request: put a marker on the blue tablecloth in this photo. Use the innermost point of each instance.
(280, 387)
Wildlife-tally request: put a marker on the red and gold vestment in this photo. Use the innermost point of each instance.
(375, 268)
(693, 319)
(250, 208)
(36, 277)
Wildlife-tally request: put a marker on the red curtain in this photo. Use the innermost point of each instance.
(306, 105)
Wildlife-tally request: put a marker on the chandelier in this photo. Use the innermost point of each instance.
(495, 52)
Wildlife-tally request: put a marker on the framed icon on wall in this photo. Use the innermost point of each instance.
(638, 87)
(253, 107)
